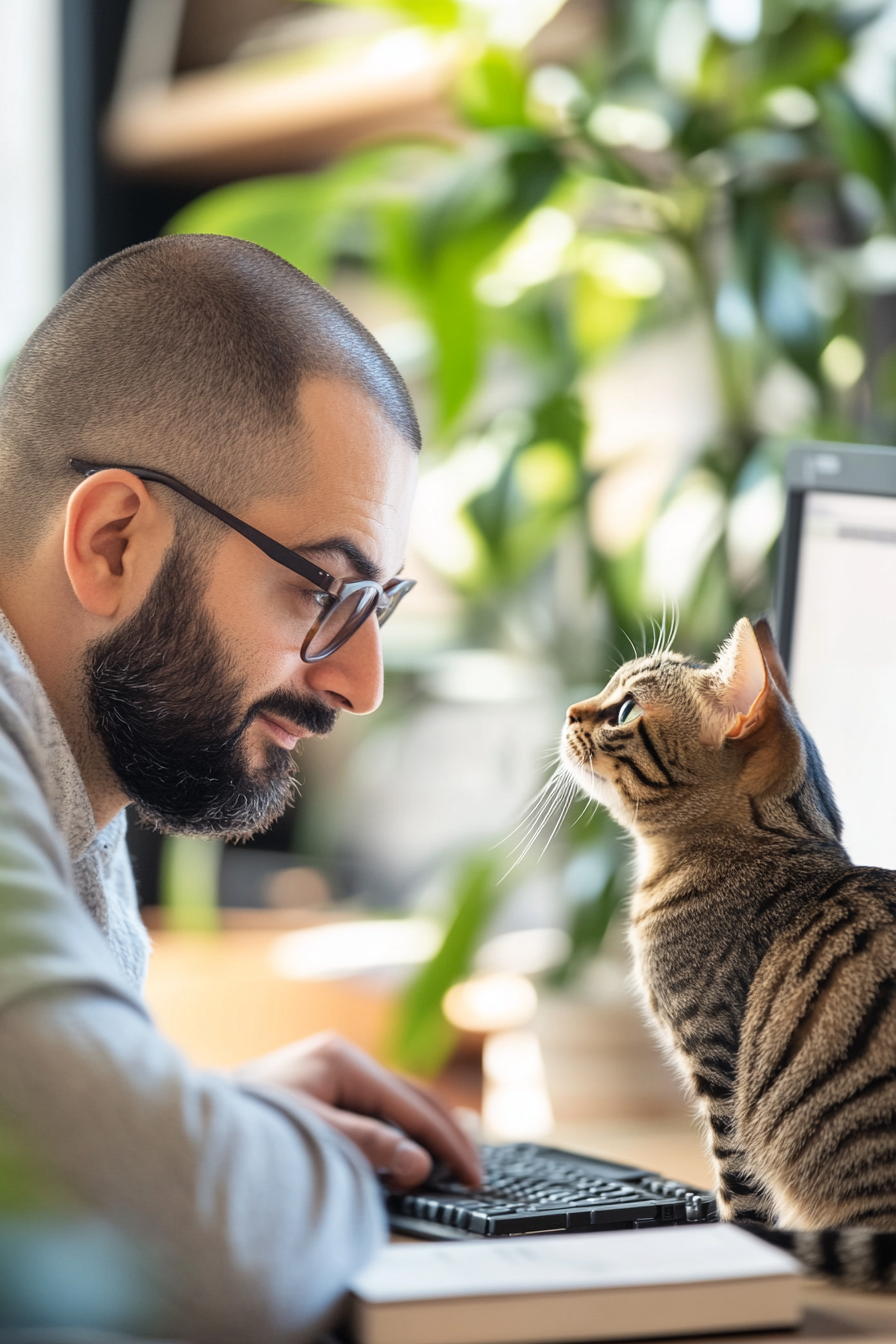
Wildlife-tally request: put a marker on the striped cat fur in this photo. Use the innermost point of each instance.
(766, 959)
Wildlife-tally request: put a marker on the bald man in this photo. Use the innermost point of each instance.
(206, 472)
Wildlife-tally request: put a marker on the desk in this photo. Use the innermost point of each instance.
(218, 998)
(216, 995)
(831, 1315)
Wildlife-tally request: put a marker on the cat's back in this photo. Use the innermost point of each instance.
(746, 882)
(726, 929)
(829, 972)
(816, 1101)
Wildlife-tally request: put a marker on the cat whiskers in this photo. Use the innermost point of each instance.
(593, 800)
(631, 642)
(665, 635)
(556, 795)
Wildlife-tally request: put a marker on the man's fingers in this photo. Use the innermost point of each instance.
(403, 1162)
(424, 1120)
(343, 1078)
(360, 1085)
(467, 1163)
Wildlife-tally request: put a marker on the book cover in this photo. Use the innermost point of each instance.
(651, 1282)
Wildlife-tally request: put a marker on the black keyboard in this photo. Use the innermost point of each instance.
(530, 1188)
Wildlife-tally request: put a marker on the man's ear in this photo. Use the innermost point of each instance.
(772, 657)
(115, 538)
(740, 689)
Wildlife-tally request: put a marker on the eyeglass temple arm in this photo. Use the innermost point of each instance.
(297, 563)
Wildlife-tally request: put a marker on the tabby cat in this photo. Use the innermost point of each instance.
(766, 958)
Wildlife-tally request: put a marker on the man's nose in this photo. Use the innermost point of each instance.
(352, 677)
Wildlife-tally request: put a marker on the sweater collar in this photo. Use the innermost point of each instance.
(62, 779)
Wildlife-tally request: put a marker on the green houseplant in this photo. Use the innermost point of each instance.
(714, 173)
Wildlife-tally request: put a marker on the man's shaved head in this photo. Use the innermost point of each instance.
(184, 354)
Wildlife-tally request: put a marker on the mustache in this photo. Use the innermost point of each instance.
(304, 711)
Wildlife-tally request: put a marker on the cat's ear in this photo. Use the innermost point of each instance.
(766, 641)
(740, 684)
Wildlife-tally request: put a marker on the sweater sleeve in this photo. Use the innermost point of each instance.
(250, 1215)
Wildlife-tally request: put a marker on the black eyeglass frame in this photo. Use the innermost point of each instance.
(388, 595)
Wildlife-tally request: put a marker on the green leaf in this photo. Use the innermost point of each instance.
(454, 314)
(422, 1039)
(432, 13)
(288, 215)
(858, 145)
(601, 319)
(300, 217)
(808, 52)
(562, 417)
(603, 861)
(492, 90)
(463, 221)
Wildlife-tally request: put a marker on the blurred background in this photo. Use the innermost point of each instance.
(624, 252)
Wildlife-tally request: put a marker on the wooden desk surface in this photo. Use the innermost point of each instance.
(831, 1314)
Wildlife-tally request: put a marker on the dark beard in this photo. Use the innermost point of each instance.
(164, 696)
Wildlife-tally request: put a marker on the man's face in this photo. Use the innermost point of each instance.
(199, 697)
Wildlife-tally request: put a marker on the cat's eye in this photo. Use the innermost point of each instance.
(629, 711)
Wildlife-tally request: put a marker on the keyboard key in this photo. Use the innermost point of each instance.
(577, 1218)
(614, 1213)
(534, 1221)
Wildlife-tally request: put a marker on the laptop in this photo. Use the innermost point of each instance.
(836, 627)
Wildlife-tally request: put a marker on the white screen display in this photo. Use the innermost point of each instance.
(843, 660)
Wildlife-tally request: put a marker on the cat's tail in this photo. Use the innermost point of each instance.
(856, 1257)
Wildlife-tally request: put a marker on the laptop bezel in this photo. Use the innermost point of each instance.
(837, 468)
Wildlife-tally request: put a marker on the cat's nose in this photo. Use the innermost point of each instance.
(584, 712)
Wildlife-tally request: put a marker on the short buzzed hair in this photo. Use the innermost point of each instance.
(184, 354)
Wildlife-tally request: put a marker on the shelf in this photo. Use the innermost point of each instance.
(240, 120)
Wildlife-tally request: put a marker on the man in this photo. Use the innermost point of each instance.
(206, 472)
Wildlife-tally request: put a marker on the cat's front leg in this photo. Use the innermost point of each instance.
(740, 1196)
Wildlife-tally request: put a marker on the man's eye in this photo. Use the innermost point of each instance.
(313, 602)
(629, 711)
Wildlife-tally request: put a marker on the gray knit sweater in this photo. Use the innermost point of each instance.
(100, 862)
(247, 1214)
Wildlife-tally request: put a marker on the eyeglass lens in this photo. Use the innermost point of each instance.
(340, 623)
(349, 614)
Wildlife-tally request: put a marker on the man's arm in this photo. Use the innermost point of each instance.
(250, 1218)
(250, 1211)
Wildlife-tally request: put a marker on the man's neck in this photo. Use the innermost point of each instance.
(60, 672)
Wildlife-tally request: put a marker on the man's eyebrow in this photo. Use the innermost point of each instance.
(360, 563)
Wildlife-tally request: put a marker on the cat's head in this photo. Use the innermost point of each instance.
(672, 745)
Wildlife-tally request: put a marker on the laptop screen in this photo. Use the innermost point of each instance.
(842, 661)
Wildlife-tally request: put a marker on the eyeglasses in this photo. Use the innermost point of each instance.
(343, 605)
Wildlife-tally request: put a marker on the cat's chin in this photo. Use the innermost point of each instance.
(588, 780)
(598, 788)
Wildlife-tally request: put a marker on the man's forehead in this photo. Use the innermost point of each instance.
(329, 406)
(347, 496)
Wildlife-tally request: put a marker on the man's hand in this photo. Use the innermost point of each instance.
(366, 1102)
